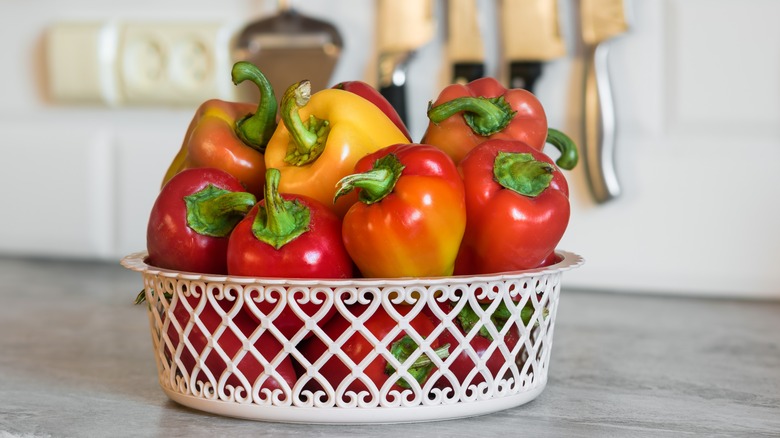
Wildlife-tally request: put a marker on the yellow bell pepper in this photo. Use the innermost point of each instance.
(321, 137)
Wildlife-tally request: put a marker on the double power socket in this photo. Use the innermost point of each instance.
(139, 63)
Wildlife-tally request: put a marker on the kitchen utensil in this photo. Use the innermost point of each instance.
(530, 36)
(464, 41)
(403, 27)
(601, 20)
(177, 301)
(288, 47)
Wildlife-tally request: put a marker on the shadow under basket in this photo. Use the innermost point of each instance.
(353, 350)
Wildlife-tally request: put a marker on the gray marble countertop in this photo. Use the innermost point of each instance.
(75, 361)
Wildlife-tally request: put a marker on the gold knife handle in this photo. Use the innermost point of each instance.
(599, 125)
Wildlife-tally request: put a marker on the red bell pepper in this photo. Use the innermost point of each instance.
(465, 115)
(289, 236)
(380, 324)
(192, 218)
(518, 208)
(467, 319)
(411, 212)
(200, 347)
(371, 94)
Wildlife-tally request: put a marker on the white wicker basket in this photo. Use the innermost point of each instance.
(208, 370)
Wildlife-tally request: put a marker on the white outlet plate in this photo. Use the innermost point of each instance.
(139, 63)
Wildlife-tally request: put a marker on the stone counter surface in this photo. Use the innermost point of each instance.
(76, 361)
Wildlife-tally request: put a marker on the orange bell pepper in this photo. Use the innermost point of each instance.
(411, 216)
(320, 138)
(231, 136)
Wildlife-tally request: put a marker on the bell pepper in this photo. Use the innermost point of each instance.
(231, 135)
(199, 353)
(518, 208)
(465, 115)
(464, 367)
(411, 213)
(334, 372)
(289, 236)
(320, 138)
(192, 219)
(370, 93)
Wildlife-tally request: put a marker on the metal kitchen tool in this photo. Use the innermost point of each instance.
(530, 36)
(601, 21)
(403, 26)
(464, 41)
(288, 47)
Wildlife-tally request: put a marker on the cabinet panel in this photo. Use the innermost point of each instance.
(58, 182)
(724, 63)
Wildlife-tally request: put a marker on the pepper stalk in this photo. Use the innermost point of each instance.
(214, 212)
(376, 183)
(308, 137)
(281, 220)
(419, 370)
(485, 116)
(256, 129)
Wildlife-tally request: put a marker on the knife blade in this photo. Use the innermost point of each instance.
(601, 21)
(403, 27)
(464, 41)
(530, 36)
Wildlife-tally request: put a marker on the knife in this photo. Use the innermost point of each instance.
(601, 20)
(530, 36)
(464, 41)
(403, 27)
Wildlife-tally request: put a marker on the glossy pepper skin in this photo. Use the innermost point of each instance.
(465, 115)
(231, 136)
(192, 218)
(411, 213)
(371, 94)
(289, 236)
(320, 139)
(518, 208)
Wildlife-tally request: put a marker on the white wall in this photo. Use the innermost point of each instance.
(697, 91)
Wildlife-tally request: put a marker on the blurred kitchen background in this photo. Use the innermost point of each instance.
(95, 98)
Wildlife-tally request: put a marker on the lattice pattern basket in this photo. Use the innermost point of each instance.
(269, 348)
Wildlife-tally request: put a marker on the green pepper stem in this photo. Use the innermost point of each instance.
(256, 129)
(280, 221)
(215, 212)
(485, 116)
(307, 138)
(376, 183)
(523, 174)
(566, 146)
(403, 348)
(468, 318)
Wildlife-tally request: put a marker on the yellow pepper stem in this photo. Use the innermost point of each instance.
(308, 137)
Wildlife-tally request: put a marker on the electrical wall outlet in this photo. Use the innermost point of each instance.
(139, 63)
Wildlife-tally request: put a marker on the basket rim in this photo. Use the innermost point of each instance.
(137, 262)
